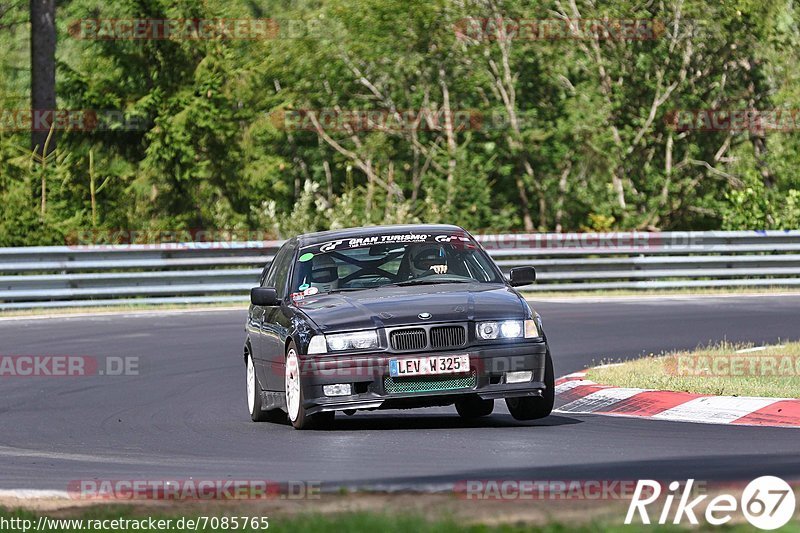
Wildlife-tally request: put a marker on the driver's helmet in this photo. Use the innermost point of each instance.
(324, 273)
(423, 257)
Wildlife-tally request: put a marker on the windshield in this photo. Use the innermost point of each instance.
(379, 260)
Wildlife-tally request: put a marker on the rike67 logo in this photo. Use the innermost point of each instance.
(767, 503)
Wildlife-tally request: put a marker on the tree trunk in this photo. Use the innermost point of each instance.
(451, 140)
(43, 68)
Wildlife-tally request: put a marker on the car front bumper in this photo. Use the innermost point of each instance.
(373, 388)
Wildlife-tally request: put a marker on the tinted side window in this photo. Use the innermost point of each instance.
(269, 279)
(263, 277)
(282, 265)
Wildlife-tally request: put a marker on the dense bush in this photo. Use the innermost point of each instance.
(561, 134)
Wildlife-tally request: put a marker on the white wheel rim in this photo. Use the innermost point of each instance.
(251, 385)
(292, 385)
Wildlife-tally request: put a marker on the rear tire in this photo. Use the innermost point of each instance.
(536, 407)
(293, 386)
(254, 401)
(474, 407)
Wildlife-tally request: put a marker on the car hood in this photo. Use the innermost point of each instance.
(400, 306)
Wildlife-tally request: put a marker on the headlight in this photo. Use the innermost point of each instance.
(507, 329)
(488, 330)
(511, 329)
(361, 340)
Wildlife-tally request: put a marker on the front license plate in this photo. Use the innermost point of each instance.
(426, 366)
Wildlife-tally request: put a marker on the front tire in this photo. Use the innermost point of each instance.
(254, 404)
(536, 407)
(474, 407)
(298, 416)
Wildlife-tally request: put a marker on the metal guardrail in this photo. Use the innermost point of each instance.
(62, 276)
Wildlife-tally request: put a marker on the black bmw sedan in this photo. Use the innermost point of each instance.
(392, 317)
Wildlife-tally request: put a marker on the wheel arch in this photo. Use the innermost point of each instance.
(291, 338)
(247, 349)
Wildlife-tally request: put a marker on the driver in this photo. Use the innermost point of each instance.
(427, 259)
(324, 273)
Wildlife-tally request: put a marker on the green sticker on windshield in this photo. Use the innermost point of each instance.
(306, 257)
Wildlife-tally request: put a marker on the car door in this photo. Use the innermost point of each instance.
(277, 321)
(260, 315)
(255, 317)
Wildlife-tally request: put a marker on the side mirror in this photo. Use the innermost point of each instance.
(522, 276)
(264, 296)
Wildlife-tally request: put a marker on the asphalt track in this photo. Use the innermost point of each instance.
(184, 416)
